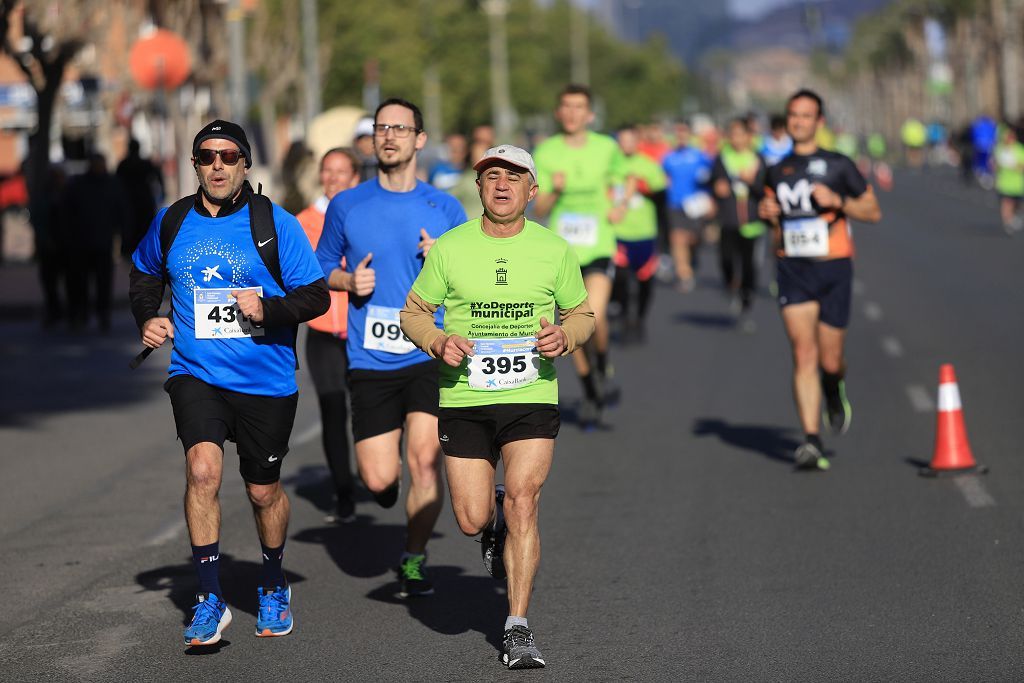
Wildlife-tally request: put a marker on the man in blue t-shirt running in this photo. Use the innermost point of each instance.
(383, 229)
(232, 369)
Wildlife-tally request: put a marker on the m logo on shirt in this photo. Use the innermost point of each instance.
(797, 196)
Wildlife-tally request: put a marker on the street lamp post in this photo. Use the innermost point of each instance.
(501, 99)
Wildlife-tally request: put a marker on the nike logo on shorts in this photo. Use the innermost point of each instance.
(272, 458)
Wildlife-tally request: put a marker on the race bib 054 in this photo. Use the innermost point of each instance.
(805, 237)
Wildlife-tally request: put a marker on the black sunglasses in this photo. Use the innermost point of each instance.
(230, 157)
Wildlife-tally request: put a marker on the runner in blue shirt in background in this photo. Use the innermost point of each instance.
(387, 225)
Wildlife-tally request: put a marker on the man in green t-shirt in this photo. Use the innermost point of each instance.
(576, 171)
(636, 260)
(500, 278)
(1009, 162)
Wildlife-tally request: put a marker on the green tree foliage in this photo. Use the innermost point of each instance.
(632, 82)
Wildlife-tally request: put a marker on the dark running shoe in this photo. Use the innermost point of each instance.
(838, 412)
(589, 415)
(809, 457)
(519, 651)
(492, 540)
(413, 578)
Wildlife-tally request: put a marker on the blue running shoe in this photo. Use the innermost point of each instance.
(211, 617)
(275, 617)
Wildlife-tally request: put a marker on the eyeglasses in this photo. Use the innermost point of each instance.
(230, 157)
(400, 131)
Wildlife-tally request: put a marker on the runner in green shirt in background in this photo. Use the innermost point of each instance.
(576, 171)
(636, 260)
(1009, 161)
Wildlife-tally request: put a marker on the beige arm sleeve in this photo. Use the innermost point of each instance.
(578, 325)
(417, 318)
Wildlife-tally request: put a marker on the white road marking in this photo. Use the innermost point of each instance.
(308, 434)
(168, 532)
(872, 311)
(920, 399)
(892, 347)
(974, 491)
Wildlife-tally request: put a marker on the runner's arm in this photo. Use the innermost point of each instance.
(864, 208)
(577, 324)
(544, 202)
(297, 306)
(418, 323)
(146, 293)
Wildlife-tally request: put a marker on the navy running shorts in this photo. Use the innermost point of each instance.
(830, 283)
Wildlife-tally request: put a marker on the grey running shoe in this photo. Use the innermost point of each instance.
(518, 650)
(808, 457)
(492, 540)
(589, 414)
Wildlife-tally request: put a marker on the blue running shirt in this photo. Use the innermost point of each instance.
(688, 170)
(216, 253)
(369, 219)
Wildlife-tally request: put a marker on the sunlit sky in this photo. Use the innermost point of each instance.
(749, 9)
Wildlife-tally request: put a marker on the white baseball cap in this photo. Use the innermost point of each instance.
(364, 128)
(515, 156)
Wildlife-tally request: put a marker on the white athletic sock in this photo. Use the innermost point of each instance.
(515, 621)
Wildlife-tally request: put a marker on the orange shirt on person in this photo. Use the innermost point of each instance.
(335, 320)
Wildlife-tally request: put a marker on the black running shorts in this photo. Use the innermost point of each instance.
(481, 431)
(604, 266)
(382, 398)
(259, 425)
(830, 283)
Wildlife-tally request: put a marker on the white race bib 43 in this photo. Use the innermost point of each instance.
(218, 317)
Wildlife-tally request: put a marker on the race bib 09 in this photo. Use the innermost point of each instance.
(498, 364)
(805, 237)
(383, 331)
(217, 315)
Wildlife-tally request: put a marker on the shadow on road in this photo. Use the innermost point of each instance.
(460, 603)
(361, 548)
(238, 578)
(49, 372)
(776, 443)
(719, 320)
(314, 483)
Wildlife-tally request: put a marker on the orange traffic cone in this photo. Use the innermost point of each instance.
(952, 451)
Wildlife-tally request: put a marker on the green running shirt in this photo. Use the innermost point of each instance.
(498, 288)
(641, 221)
(581, 213)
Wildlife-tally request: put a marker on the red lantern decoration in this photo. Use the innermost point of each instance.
(160, 60)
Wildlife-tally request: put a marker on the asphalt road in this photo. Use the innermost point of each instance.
(679, 543)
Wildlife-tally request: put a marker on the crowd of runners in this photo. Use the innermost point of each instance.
(437, 300)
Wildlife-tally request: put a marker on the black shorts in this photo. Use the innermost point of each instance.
(604, 266)
(830, 283)
(260, 425)
(327, 361)
(481, 431)
(382, 398)
(680, 220)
